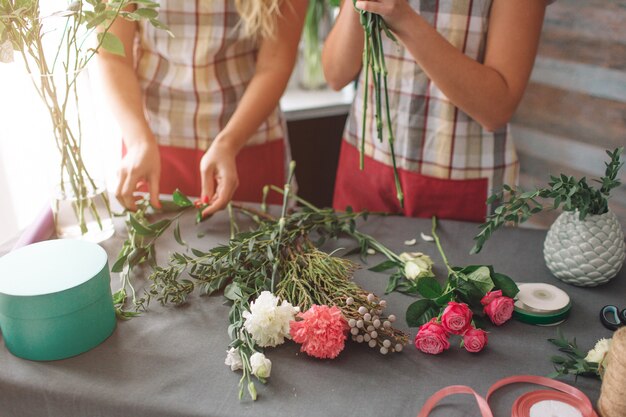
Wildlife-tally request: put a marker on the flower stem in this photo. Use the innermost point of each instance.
(438, 243)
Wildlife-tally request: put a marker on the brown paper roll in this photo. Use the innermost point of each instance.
(612, 402)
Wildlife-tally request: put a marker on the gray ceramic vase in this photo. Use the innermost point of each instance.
(585, 253)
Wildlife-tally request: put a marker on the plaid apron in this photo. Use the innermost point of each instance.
(192, 84)
(447, 162)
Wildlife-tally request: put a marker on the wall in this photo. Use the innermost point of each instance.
(575, 106)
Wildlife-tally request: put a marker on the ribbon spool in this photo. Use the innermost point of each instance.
(612, 402)
(567, 401)
(541, 304)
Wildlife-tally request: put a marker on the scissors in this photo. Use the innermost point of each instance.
(612, 318)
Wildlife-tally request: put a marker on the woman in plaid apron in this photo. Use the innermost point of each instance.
(199, 110)
(456, 75)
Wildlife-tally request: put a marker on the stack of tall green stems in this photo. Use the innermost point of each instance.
(55, 73)
(374, 59)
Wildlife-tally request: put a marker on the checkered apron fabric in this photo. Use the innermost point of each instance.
(192, 83)
(434, 140)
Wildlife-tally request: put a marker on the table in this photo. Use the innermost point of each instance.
(170, 361)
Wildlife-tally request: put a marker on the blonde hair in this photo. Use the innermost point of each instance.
(259, 17)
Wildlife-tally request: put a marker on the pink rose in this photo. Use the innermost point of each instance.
(490, 296)
(456, 318)
(432, 338)
(475, 340)
(499, 308)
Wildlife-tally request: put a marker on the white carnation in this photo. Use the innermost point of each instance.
(599, 351)
(261, 366)
(233, 359)
(267, 321)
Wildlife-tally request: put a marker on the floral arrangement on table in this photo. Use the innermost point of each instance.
(592, 363)
(55, 69)
(459, 308)
(279, 284)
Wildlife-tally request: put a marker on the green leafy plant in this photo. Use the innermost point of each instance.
(575, 362)
(565, 191)
(374, 59)
(56, 48)
(467, 284)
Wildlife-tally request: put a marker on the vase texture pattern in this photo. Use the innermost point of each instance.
(585, 253)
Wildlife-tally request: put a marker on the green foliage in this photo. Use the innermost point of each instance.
(464, 284)
(573, 363)
(276, 254)
(564, 191)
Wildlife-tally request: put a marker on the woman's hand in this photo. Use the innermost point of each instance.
(218, 171)
(395, 12)
(140, 166)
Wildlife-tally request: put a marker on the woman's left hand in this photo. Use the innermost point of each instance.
(218, 171)
(395, 12)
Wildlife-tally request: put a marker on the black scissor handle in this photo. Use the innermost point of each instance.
(612, 318)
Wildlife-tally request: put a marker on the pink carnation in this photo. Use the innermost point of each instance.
(432, 338)
(321, 331)
(474, 340)
(498, 307)
(456, 318)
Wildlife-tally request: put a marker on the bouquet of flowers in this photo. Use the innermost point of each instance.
(459, 307)
(279, 284)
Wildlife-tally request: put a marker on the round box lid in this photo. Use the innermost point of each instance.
(50, 267)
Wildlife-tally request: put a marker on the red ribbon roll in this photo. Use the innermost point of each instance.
(521, 408)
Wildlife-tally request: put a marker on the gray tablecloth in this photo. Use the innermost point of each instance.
(170, 361)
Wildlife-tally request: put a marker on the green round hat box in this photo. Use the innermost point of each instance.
(55, 299)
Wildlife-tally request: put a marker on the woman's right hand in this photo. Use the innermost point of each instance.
(140, 166)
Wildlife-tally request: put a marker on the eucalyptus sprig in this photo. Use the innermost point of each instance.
(374, 59)
(139, 248)
(574, 362)
(467, 284)
(574, 195)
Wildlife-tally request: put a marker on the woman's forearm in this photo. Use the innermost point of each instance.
(490, 91)
(343, 49)
(125, 97)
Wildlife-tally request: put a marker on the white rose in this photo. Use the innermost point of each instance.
(416, 265)
(261, 366)
(6, 52)
(599, 351)
(412, 270)
(267, 322)
(233, 359)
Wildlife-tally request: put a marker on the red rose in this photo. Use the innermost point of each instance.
(498, 308)
(456, 318)
(490, 297)
(475, 340)
(432, 338)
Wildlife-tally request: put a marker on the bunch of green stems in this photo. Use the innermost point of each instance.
(374, 60)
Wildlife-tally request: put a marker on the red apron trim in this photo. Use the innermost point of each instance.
(257, 166)
(373, 189)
